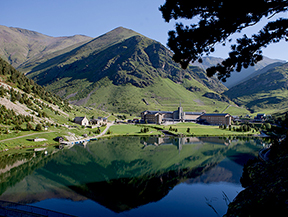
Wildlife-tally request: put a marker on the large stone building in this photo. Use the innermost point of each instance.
(158, 117)
(216, 118)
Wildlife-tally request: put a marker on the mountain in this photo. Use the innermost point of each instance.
(238, 77)
(124, 71)
(263, 70)
(208, 62)
(244, 74)
(18, 46)
(264, 92)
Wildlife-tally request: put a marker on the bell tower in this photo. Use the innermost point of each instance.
(181, 113)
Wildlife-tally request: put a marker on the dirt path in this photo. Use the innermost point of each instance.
(4, 140)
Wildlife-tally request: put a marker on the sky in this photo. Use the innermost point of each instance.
(94, 18)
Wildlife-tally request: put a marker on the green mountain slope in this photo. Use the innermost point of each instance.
(76, 52)
(238, 77)
(265, 92)
(263, 70)
(18, 46)
(123, 71)
(26, 109)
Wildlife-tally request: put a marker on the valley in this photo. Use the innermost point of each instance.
(143, 108)
(118, 74)
(109, 83)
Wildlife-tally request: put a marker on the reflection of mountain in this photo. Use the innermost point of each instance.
(124, 194)
(119, 174)
(15, 167)
(226, 171)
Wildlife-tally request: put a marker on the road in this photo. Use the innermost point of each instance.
(4, 140)
(101, 134)
(104, 131)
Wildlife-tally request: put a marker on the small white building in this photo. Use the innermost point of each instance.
(83, 121)
(39, 139)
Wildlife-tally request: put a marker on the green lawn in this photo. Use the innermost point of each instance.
(130, 129)
(202, 130)
(11, 140)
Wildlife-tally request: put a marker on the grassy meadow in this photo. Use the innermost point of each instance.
(203, 130)
(132, 130)
(24, 139)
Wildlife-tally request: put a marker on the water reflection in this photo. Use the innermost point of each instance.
(128, 173)
(179, 142)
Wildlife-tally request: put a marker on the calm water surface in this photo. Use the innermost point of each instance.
(131, 176)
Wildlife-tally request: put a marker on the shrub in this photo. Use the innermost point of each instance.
(144, 130)
(38, 127)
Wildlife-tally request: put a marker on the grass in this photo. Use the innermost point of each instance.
(203, 130)
(131, 130)
(26, 140)
(195, 130)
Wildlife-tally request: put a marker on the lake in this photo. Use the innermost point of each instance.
(131, 176)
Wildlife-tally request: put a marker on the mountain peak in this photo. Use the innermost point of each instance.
(121, 29)
(119, 33)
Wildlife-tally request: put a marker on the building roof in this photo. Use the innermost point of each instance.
(155, 112)
(193, 113)
(216, 114)
(78, 119)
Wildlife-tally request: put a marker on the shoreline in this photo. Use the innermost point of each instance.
(103, 135)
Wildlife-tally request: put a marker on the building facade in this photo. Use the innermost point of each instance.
(83, 121)
(158, 117)
(216, 119)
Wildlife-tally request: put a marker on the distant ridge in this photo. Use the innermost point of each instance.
(20, 45)
(267, 91)
(237, 77)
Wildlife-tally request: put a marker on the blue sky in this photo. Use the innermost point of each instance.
(94, 18)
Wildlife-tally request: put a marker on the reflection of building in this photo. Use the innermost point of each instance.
(180, 141)
(157, 141)
(216, 140)
(158, 117)
(216, 119)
